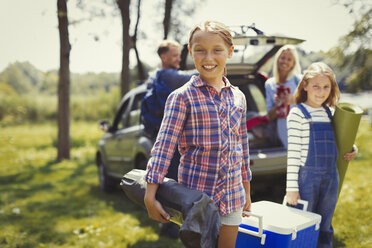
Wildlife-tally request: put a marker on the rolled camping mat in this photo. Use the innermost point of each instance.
(345, 123)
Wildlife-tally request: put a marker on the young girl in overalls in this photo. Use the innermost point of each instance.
(206, 119)
(312, 153)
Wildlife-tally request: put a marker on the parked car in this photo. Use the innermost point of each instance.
(125, 146)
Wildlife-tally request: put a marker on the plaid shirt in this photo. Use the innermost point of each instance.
(212, 138)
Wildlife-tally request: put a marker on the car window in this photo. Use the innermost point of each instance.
(123, 121)
(135, 112)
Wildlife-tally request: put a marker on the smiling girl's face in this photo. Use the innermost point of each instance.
(210, 52)
(318, 89)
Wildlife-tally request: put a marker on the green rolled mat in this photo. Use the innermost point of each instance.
(345, 123)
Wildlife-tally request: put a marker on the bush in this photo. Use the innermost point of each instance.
(16, 109)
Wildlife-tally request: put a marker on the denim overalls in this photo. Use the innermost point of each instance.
(318, 179)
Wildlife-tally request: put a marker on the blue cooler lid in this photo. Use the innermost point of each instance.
(281, 219)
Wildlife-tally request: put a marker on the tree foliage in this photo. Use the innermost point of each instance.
(354, 51)
(37, 82)
(21, 77)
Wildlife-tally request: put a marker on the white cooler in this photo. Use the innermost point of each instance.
(276, 225)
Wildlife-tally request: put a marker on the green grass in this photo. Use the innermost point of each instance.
(44, 203)
(48, 204)
(353, 220)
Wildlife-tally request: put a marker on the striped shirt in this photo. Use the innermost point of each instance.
(211, 133)
(298, 140)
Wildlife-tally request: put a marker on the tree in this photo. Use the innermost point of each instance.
(354, 51)
(140, 69)
(167, 17)
(180, 17)
(125, 18)
(174, 20)
(63, 143)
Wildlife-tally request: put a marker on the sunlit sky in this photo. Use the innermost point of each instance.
(29, 31)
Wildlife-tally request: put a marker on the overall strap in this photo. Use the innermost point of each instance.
(304, 111)
(328, 112)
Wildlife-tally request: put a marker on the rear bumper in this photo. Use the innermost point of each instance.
(269, 162)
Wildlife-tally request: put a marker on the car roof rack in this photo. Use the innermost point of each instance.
(240, 30)
(240, 37)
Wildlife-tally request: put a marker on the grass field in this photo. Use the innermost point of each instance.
(44, 203)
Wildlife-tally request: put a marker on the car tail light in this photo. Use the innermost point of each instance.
(263, 76)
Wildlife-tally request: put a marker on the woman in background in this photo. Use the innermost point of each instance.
(280, 88)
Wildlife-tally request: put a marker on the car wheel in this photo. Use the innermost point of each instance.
(142, 165)
(106, 183)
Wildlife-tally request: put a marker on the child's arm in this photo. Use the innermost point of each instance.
(154, 208)
(351, 155)
(162, 152)
(294, 124)
(292, 197)
(248, 201)
(167, 140)
(246, 172)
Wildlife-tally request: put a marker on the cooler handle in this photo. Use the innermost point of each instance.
(260, 233)
(303, 202)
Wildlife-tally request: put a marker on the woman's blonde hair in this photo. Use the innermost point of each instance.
(316, 69)
(296, 70)
(214, 27)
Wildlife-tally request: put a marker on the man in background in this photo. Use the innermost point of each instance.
(159, 86)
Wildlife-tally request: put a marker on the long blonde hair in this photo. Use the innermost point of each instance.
(316, 69)
(296, 70)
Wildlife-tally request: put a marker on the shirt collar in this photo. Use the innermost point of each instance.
(198, 82)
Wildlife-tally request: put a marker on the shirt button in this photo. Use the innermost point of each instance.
(222, 174)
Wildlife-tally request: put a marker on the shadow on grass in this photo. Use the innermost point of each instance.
(164, 242)
(27, 174)
(337, 242)
(77, 195)
(35, 207)
(121, 203)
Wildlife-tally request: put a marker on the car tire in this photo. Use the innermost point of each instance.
(106, 183)
(142, 165)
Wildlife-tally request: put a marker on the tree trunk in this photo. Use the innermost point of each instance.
(63, 143)
(125, 77)
(140, 69)
(167, 17)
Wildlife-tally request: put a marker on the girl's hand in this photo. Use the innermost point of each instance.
(292, 197)
(287, 98)
(247, 205)
(156, 211)
(351, 155)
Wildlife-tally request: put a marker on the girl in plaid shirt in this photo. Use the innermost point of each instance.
(206, 118)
